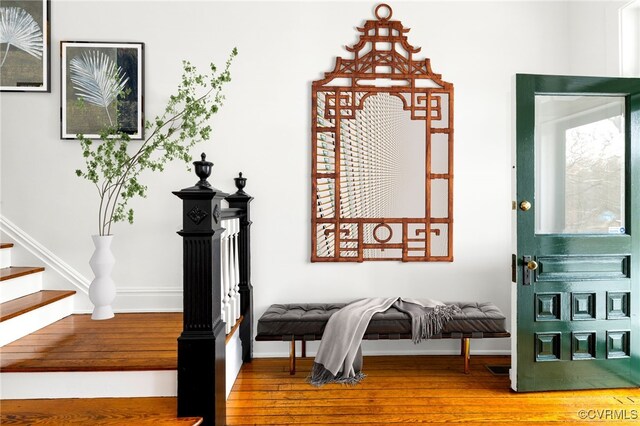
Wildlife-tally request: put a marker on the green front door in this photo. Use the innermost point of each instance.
(577, 266)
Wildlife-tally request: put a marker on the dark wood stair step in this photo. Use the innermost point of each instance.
(18, 271)
(93, 411)
(5, 245)
(13, 308)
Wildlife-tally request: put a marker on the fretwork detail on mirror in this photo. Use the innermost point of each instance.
(382, 132)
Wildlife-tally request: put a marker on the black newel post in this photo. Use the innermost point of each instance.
(201, 346)
(242, 200)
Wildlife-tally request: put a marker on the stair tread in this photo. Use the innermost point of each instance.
(18, 271)
(156, 411)
(6, 245)
(98, 345)
(13, 308)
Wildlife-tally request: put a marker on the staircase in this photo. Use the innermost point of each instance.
(58, 367)
(42, 355)
(24, 306)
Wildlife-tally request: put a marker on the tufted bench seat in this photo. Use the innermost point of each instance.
(306, 322)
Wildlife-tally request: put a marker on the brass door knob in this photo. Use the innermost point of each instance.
(532, 265)
(525, 205)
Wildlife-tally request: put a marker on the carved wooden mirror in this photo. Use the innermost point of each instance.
(382, 156)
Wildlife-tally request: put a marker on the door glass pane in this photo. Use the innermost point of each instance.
(579, 162)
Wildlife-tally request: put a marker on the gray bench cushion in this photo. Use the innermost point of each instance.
(311, 318)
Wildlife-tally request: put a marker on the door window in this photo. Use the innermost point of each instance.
(580, 159)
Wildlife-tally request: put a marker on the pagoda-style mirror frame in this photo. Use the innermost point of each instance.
(383, 62)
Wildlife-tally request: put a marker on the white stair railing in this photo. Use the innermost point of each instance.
(235, 291)
(224, 271)
(230, 273)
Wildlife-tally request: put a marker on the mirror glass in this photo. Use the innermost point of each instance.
(382, 165)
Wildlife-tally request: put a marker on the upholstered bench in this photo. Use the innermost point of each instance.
(306, 322)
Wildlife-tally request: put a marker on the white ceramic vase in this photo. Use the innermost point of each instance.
(102, 290)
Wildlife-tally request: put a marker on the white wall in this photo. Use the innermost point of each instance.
(630, 39)
(594, 37)
(263, 130)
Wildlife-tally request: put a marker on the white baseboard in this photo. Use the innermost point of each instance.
(95, 384)
(285, 354)
(136, 299)
(21, 286)
(27, 323)
(141, 299)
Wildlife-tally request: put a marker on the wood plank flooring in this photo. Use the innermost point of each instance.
(403, 389)
(128, 342)
(411, 390)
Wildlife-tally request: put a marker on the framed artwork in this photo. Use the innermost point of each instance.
(102, 87)
(24, 46)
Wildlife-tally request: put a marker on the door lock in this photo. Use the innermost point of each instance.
(529, 265)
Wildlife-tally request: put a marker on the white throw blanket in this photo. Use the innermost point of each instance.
(339, 357)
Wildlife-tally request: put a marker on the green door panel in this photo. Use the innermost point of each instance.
(578, 308)
(593, 267)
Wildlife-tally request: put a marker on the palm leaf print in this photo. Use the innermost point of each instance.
(97, 79)
(19, 29)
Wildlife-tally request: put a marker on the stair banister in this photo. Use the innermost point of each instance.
(201, 345)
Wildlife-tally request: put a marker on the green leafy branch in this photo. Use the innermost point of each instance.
(114, 167)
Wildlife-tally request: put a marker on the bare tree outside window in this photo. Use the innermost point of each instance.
(594, 186)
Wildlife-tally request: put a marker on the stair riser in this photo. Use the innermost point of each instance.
(233, 357)
(94, 384)
(5, 257)
(29, 322)
(21, 286)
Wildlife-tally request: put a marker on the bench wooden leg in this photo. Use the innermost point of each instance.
(466, 353)
(304, 348)
(292, 358)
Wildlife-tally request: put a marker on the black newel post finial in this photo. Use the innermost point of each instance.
(241, 182)
(203, 170)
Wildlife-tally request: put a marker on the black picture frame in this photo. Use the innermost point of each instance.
(102, 86)
(26, 58)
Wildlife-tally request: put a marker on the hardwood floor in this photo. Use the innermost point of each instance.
(412, 390)
(404, 389)
(128, 342)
